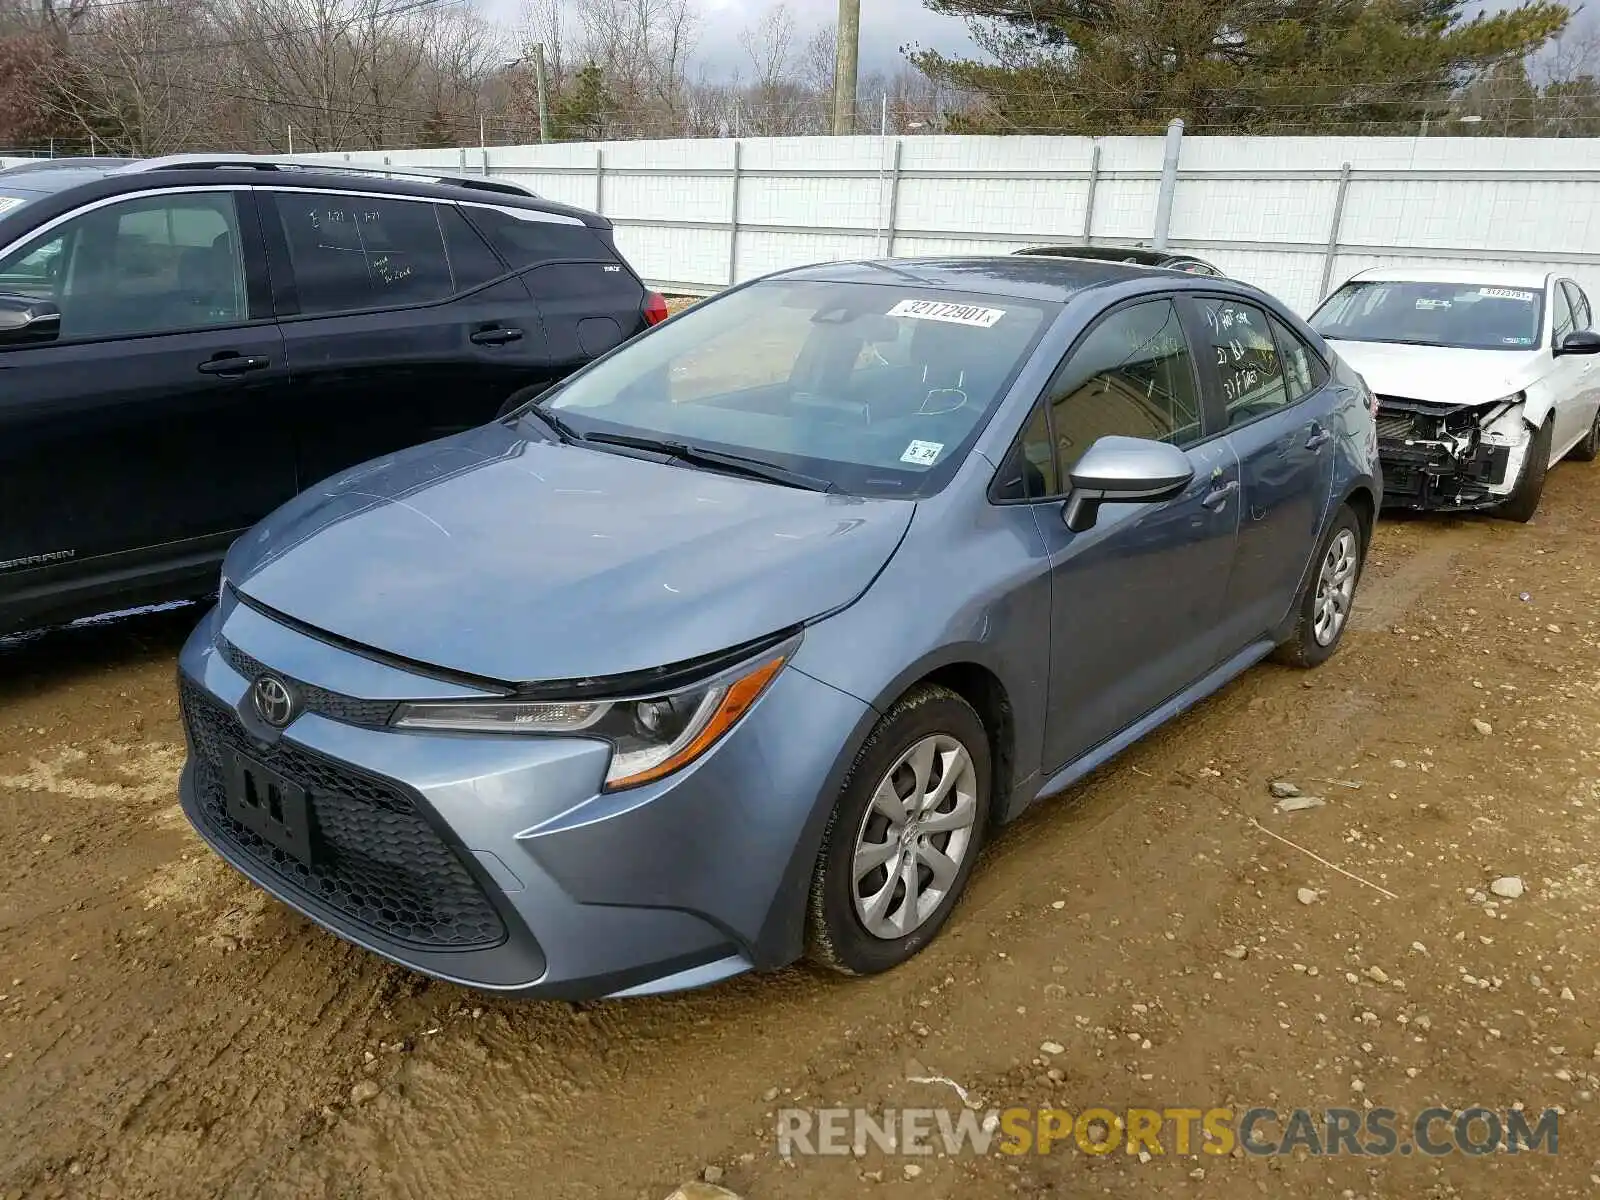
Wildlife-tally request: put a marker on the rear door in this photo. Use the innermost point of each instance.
(589, 297)
(1270, 393)
(151, 430)
(401, 325)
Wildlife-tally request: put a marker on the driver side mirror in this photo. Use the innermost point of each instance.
(1122, 470)
(24, 320)
(1580, 341)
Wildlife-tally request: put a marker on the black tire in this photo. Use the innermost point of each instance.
(1589, 449)
(1524, 499)
(835, 933)
(1302, 648)
(520, 397)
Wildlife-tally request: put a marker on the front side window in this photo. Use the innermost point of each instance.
(879, 389)
(1133, 376)
(1466, 316)
(359, 252)
(1560, 317)
(156, 264)
(1244, 359)
(1581, 317)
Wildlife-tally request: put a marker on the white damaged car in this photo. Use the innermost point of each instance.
(1484, 379)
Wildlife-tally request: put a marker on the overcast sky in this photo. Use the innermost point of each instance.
(886, 25)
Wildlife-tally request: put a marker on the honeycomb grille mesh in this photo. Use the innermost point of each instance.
(324, 703)
(379, 864)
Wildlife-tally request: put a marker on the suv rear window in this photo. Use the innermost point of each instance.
(358, 252)
(533, 239)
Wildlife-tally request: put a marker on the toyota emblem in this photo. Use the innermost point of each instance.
(273, 700)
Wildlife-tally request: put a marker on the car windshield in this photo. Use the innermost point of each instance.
(1470, 316)
(875, 389)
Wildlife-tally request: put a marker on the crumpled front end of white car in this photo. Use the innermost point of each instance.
(1451, 457)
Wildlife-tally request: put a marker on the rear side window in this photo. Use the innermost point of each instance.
(530, 238)
(471, 261)
(1303, 371)
(358, 252)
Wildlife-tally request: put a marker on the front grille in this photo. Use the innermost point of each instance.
(379, 864)
(333, 705)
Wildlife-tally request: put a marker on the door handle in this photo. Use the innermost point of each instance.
(233, 364)
(496, 337)
(1218, 496)
(1319, 437)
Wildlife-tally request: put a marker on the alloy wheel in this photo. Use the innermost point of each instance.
(1336, 588)
(914, 837)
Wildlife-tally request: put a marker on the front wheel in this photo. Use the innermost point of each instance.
(1323, 610)
(903, 836)
(1524, 499)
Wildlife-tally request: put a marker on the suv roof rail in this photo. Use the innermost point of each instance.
(267, 162)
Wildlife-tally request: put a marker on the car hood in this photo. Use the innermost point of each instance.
(516, 560)
(1438, 374)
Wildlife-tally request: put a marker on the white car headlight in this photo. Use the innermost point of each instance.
(651, 736)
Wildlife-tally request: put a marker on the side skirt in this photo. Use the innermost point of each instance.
(1160, 715)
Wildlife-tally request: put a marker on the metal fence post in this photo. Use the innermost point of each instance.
(1333, 230)
(1169, 182)
(894, 200)
(733, 222)
(599, 180)
(1088, 200)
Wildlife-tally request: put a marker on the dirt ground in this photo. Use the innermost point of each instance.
(169, 1031)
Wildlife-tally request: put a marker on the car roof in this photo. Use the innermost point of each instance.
(1505, 278)
(135, 175)
(1047, 278)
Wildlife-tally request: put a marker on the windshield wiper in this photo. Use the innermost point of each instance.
(557, 426)
(738, 464)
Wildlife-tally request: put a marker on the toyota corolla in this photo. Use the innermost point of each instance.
(742, 641)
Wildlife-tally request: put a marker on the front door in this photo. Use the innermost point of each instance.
(1282, 425)
(1136, 600)
(1578, 376)
(150, 431)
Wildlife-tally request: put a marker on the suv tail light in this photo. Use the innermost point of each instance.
(655, 308)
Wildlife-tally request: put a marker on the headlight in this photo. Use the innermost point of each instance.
(651, 736)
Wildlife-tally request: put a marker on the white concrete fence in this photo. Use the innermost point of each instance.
(1295, 216)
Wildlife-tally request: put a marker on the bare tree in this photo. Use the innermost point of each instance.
(642, 48)
(134, 78)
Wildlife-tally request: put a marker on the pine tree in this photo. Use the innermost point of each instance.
(1224, 66)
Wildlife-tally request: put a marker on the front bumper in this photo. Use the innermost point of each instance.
(1435, 477)
(497, 862)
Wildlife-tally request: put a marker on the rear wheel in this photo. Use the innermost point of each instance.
(1524, 499)
(1589, 449)
(903, 836)
(1329, 594)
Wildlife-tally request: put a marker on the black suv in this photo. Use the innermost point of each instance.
(187, 342)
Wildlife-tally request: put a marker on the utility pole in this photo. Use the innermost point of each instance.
(846, 54)
(539, 83)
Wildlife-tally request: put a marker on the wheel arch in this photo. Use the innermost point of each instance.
(963, 670)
